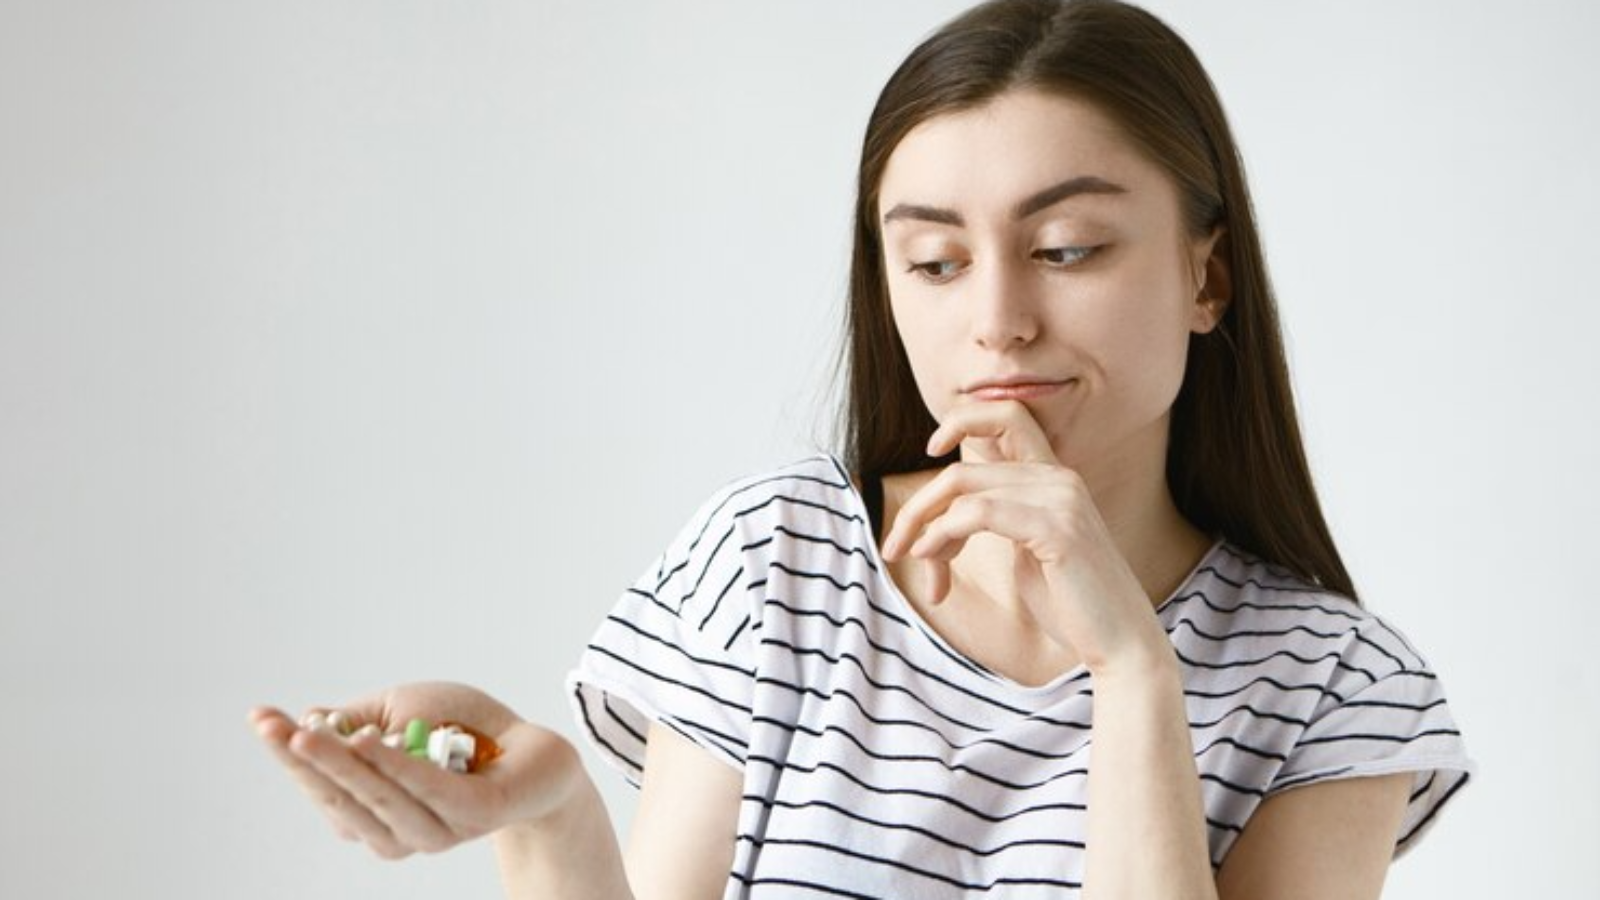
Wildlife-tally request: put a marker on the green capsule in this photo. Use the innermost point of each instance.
(417, 736)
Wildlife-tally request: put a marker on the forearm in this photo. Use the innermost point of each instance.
(570, 854)
(1147, 827)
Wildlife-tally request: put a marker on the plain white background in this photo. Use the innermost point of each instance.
(347, 343)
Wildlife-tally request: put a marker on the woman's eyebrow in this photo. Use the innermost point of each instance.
(1050, 196)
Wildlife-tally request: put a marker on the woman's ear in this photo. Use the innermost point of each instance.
(1214, 283)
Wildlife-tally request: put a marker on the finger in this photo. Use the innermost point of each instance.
(1007, 425)
(932, 499)
(463, 805)
(341, 807)
(349, 717)
(1010, 515)
(344, 814)
(945, 536)
(408, 825)
(329, 719)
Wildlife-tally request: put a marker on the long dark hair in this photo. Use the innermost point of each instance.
(1236, 464)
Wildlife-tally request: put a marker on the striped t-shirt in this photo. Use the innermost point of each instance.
(878, 761)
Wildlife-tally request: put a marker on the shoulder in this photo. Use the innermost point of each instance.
(1308, 686)
(811, 493)
(1262, 610)
(753, 519)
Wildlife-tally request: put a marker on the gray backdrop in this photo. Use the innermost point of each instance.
(347, 343)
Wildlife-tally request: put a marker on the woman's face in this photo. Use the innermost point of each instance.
(1028, 238)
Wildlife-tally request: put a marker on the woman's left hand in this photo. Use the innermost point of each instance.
(1069, 571)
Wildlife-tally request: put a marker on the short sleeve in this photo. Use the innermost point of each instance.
(1384, 712)
(676, 649)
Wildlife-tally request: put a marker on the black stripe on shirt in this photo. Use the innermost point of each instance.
(1417, 828)
(910, 723)
(1266, 607)
(787, 766)
(651, 636)
(1297, 780)
(583, 709)
(1264, 679)
(881, 686)
(718, 602)
(1385, 738)
(1329, 636)
(951, 768)
(914, 829)
(692, 688)
(866, 635)
(1247, 663)
(893, 863)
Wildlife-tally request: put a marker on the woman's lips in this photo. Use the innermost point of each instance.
(1019, 391)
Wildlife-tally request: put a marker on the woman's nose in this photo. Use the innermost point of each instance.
(1004, 312)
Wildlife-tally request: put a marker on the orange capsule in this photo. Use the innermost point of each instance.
(484, 749)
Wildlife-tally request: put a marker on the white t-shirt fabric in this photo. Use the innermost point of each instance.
(878, 761)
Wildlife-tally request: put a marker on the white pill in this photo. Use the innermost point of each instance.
(439, 746)
(315, 722)
(395, 740)
(367, 729)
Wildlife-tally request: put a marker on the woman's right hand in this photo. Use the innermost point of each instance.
(399, 805)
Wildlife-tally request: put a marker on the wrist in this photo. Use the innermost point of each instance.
(1147, 667)
(560, 790)
(570, 851)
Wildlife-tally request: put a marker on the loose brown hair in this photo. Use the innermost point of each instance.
(1236, 465)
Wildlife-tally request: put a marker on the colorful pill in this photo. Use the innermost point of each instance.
(417, 736)
(340, 721)
(484, 749)
(439, 746)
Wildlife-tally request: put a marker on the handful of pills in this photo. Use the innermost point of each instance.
(450, 745)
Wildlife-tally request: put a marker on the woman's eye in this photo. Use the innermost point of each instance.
(1065, 256)
(939, 271)
(936, 271)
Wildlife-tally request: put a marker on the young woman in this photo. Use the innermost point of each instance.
(1075, 622)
